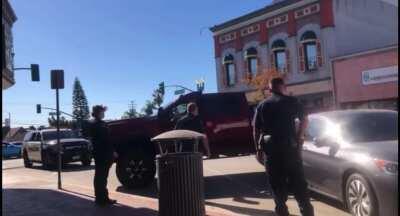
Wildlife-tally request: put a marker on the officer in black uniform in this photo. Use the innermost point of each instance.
(103, 153)
(275, 119)
(191, 121)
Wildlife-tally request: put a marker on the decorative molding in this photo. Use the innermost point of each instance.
(250, 30)
(279, 20)
(306, 11)
(8, 12)
(227, 37)
(265, 16)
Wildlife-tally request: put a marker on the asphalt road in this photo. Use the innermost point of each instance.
(236, 184)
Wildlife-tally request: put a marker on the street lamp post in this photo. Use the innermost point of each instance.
(200, 85)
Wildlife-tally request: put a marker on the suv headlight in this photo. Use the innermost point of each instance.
(389, 167)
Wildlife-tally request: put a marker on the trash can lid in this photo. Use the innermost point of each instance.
(178, 135)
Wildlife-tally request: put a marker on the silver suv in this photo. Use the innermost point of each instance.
(41, 147)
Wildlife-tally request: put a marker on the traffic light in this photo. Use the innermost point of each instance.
(35, 72)
(162, 87)
(38, 108)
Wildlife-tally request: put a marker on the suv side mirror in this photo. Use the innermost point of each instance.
(325, 141)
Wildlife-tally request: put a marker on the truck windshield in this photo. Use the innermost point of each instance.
(64, 134)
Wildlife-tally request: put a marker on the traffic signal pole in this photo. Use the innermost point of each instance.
(58, 139)
(57, 82)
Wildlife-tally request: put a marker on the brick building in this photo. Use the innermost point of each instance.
(367, 79)
(8, 18)
(300, 38)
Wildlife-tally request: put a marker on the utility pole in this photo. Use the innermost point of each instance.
(132, 105)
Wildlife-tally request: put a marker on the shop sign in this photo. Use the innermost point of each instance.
(380, 75)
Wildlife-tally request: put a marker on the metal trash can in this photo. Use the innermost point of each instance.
(180, 174)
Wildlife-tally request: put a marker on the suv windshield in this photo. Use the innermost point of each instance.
(370, 127)
(64, 134)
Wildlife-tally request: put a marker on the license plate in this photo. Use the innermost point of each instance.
(75, 157)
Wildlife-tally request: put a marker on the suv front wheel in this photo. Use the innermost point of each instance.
(27, 162)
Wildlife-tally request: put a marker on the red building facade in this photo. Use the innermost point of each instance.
(367, 79)
(299, 38)
(291, 36)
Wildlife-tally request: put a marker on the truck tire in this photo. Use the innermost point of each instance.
(46, 162)
(27, 162)
(136, 170)
(86, 160)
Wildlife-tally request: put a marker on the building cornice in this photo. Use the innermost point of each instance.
(8, 11)
(259, 15)
(371, 51)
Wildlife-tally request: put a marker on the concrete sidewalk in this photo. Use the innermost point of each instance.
(40, 199)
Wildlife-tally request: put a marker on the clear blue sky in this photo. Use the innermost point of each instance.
(120, 50)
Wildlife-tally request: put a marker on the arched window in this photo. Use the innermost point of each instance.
(251, 60)
(309, 50)
(229, 70)
(279, 58)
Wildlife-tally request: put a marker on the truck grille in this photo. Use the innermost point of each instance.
(72, 146)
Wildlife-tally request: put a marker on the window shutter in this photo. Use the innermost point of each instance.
(302, 66)
(272, 59)
(224, 78)
(246, 66)
(287, 54)
(319, 53)
(235, 72)
(258, 66)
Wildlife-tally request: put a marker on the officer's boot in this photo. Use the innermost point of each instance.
(282, 210)
(307, 209)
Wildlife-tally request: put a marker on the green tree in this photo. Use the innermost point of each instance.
(64, 123)
(148, 108)
(158, 97)
(153, 105)
(131, 113)
(80, 109)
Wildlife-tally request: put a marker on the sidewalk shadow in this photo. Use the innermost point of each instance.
(249, 185)
(329, 201)
(10, 158)
(44, 202)
(242, 210)
(148, 191)
(241, 188)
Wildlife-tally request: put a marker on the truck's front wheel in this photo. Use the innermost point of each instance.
(135, 171)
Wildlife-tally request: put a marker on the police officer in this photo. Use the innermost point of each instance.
(191, 121)
(275, 119)
(103, 153)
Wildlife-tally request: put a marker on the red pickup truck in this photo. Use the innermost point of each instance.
(227, 123)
